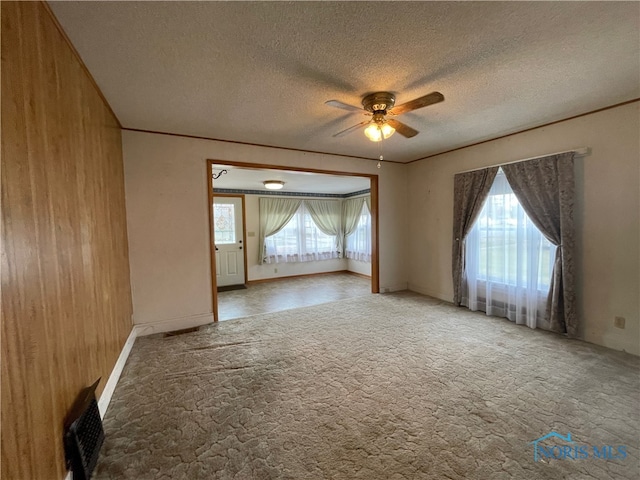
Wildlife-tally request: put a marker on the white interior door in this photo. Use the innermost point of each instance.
(228, 236)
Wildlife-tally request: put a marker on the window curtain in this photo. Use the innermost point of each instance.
(470, 190)
(508, 262)
(545, 188)
(300, 240)
(367, 201)
(275, 213)
(326, 215)
(358, 244)
(351, 209)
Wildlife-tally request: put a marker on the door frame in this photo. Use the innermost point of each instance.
(244, 232)
(375, 233)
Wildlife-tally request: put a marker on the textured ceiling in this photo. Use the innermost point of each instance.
(260, 72)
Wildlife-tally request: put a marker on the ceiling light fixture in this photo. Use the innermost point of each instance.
(273, 184)
(379, 128)
(375, 132)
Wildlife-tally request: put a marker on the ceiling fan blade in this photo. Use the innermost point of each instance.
(429, 99)
(351, 129)
(343, 106)
(402, 129)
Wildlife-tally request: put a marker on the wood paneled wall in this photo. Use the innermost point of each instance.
(66, 300)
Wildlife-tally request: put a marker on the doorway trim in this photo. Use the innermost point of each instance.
(244, 232)
(375, 233)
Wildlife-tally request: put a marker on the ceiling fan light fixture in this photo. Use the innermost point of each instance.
(376, 132)
(379, 105)
(273, 184)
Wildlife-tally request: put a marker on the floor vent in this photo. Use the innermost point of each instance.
(229, 288)
(83, 434)
(175, 333)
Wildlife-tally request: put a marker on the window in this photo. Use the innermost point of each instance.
(359, 242)
(508, 262)
(224, 223)
(509, 248)
(300, 241)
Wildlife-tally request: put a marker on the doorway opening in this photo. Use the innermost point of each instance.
(245, 181)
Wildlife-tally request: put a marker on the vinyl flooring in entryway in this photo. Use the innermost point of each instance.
(285, 294)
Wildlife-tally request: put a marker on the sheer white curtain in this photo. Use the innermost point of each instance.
(508, 262)
(359, 241)
(300, 240)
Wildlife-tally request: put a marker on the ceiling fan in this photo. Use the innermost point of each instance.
(380, 105)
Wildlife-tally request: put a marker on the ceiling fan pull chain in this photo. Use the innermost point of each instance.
(380, 148)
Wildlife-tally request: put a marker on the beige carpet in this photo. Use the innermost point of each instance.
(380, 387)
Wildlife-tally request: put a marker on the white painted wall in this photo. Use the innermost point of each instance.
(356, 266)
(167, 219)
(607, 216)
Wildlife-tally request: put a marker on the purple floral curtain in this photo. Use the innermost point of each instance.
(545, 188)
(470, 190)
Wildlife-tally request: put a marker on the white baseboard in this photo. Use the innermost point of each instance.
(618, 341)
(398, 287)
(430, 293)
(143, 329)
(110, 387)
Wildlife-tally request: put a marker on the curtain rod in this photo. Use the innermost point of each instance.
(579, 151)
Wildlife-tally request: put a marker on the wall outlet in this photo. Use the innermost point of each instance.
(618, 322)
(275, 270)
